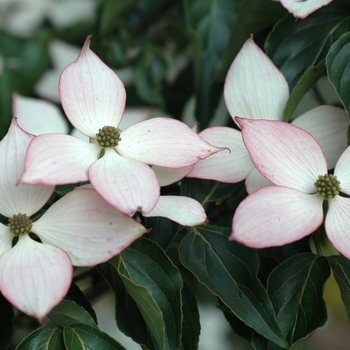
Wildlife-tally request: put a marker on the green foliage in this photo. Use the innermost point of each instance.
(295, 288)
(341, 270)
(168, 52)
(338, 71)
(306, 82)
(6, 325)
(294, 46)
(46, 337)
(229, 271)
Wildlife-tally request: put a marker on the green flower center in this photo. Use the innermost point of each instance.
(328, 186)
(20, 224)
(108, 136)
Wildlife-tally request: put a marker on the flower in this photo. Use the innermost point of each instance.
(116, 162)
(302, 8)
(293, 208)
(256, 89)
(80, 229)
(37, 116)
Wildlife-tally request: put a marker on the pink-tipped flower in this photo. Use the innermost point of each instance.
(80, 229)
(256, 89)
(302, 8)
(115, 162)
(293, 160)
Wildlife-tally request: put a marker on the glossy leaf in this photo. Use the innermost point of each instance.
(206, 191)
(46, 337)
(254, 16)
(295, 288)
(229, 271)
(338, 69)
(260, 343)
(294, 46)
(210, 22)
(155, 284)
(341, 270)
(68, 312)
(82, 336)
(6, 325)
(306, 82)
(76, 295)
(162, 230)
(127, 314)
(190, 324)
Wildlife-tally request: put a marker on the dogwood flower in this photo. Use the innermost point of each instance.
(302, 8)
(116, 163)
(293, 160)
(80, 229)
(256, 89)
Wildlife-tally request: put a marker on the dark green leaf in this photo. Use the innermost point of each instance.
(294, 46)
(254, 16)
(219, 28)
(341, 270)
(111, 10)
(75, 294)
(6, 325)
(82, 336)
(163, 230)
(68, 312)
(229, 271)
(206, 191)
(338, 67)
(260, 343)
(155, 284)
(149, 75)
(295, 288)
(127, 314)
(35, 60)
(190, 324)
(306, 82)
(210, 22)
(46, 337)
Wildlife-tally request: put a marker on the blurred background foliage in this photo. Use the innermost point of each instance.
(167, 52)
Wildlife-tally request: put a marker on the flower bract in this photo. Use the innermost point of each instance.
(93, 98)
(256, 89)
(294, 162)
(37, 256)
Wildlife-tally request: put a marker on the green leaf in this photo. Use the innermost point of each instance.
(260, 343)
(162, 232)
(306, 82)
(127, 314)
(294, 46)
(6, 325)
(155, 284)
(149, 75)
(206, 191)
(111, 10)
(229, 271)
(82, 336)
(190, 324)
(341, 270)
(75, 294)
(337, 62)
(210, 23)
(68, 312)
(295, 288)
(46, 337)
(218, 30)
(254, 16)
